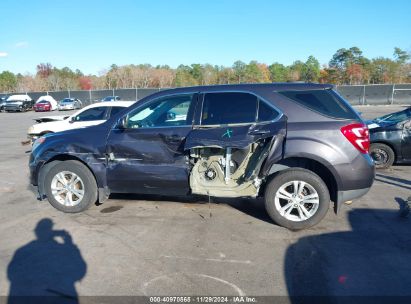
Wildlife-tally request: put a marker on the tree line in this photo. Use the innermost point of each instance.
(347, 66)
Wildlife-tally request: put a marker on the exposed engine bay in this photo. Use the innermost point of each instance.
(228, 172)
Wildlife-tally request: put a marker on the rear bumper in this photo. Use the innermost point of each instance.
(349, 195)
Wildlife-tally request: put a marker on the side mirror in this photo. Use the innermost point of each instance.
(122, 123)
(407, 125)
(73, 119)
(171, 115)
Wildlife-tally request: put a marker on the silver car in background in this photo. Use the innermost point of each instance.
(69, 104)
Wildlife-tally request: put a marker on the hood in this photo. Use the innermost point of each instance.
(16, 103)
(84, 140)
(44, 119)
(374, 124)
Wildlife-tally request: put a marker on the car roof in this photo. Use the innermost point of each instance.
(111, 104)
(275, 86)
(17, 97)
(246, 87)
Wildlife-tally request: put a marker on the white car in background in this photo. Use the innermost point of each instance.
(91, 115)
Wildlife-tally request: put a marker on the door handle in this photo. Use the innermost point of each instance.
(174, 138)
(259, 132)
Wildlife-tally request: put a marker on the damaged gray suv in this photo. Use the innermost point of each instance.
(299, 146)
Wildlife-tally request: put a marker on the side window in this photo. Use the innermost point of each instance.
(168, 111)
(228, 108)
(97, 113)
(326, 102)
(265, 112)
(115, 110)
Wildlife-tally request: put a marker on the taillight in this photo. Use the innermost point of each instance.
(358, 135)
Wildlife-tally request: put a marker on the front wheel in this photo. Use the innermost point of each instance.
(70, 187)
(382, 155)
(297, 199)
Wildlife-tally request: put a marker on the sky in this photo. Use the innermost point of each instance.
(92, 35)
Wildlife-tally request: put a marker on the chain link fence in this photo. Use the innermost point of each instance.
(383, 94)
(378, 94)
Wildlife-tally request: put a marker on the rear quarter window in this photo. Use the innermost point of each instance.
(326, 102)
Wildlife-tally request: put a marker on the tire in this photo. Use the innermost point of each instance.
(382, 155)
(87, 185)
(294, 217)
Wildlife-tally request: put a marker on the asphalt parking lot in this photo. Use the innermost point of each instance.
(140, 245)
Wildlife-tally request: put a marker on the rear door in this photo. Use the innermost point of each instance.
(235, 120)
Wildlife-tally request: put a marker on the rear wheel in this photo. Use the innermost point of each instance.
(297, 199)
(382, 155)
(70, 186)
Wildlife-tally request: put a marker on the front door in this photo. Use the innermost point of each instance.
(406, 141)
(146, 153)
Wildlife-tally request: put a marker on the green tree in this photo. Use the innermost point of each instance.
(310, 71)
(296, 70)
(239, 69)
(184, 76)
(343, 57)
(253, 73)
(8, 81)
(401, 56)
(383, 70)
(278, 72)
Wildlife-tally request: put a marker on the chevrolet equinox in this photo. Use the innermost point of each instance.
(297, 145)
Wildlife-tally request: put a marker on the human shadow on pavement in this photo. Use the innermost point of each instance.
(46, 269)
(369, 264)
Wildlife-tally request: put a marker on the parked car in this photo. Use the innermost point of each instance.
(111, 98)
(3, 101)
(69, 104)
(42, 106)
(391, 138)
(45, 103)
(297, 145)
(18, 103)
(91, 115)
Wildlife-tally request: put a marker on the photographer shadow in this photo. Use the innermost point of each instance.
(46, 269)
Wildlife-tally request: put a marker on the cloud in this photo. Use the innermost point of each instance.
(3, 54)
(21, 44)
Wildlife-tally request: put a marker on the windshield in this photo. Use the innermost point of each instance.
(109, 98)
(43, 101)
(67, 100)
(395, 117)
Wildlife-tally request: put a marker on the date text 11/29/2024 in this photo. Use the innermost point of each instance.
(202, 299)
